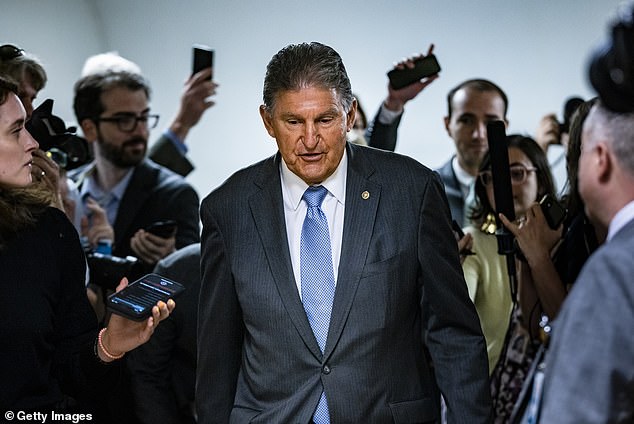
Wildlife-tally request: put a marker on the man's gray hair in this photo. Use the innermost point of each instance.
(306, 65)
(615, 128)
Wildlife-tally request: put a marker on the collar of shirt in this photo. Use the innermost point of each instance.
(622, 217)
(293, 188)
(91, 188)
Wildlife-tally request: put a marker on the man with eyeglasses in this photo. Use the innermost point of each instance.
(112, 109)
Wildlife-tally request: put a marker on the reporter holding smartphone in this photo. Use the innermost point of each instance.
(52, 357)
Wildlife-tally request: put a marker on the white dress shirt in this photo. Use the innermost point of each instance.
(293, 188)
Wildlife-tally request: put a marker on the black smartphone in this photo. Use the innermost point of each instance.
(135, 302)
(203, 57)
(164, 229)
(423, 67)
(459, 235)
(553, 211)
(457, 229)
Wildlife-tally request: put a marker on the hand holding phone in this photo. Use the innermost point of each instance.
(135, 302)
(203, 58)
(459, 236)
(424, 67)
(163, 229)
(553, 211)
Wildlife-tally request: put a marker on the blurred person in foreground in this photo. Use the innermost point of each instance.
(590, 371)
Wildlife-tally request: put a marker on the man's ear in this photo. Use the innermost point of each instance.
(267, 119)
(351, 116)
(89, 128)
(447, 119)
(605, 162)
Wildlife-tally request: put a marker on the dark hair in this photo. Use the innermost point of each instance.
(538, 158)
(88, 90)
(306, 65)
(572, 199)
(6, 87)
(17, 66)
(480, 85)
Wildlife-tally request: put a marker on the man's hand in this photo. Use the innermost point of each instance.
(151, 248)
(396, 99)
(99, 228)
(194, 102)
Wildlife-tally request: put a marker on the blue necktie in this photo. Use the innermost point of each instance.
(317, 277)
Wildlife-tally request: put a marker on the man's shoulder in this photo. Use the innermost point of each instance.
(246, 180)
(155, 174)
(385, 161)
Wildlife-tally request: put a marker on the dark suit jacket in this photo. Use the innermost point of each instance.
(166, 154)
(153, 194)
(261, 363)
(382, 136)
(163, 369)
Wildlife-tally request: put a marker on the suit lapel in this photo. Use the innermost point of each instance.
(267, 209)
(362, 200)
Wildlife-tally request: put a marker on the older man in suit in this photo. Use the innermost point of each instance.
(590, 365)
(281, 340)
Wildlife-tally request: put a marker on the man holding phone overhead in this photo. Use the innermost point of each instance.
(471, 105)
(169, 149)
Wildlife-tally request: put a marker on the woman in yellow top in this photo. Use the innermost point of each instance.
(486, 272)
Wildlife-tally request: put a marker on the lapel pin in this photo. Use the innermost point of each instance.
(365, 195)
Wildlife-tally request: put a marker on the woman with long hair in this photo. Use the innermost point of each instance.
(52, 356)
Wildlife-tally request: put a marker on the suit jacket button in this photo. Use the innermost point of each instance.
(325, 369)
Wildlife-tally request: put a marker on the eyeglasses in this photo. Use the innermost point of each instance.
(10, 52)
(519, 174)
(128, 123)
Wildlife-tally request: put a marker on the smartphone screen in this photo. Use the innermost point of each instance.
(135, 302)
(423, 67)
(203, 57)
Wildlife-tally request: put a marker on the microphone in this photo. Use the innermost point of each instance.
(503, 195)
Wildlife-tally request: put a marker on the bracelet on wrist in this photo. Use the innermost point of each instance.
(103, 348)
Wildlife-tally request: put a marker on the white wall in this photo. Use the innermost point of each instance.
(536, 50)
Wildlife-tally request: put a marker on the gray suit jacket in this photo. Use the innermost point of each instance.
(590, 363)
(258, 360)
(453, 192)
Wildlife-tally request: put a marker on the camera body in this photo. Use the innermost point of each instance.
(611, 68)
(106, 271)
(62, 145)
